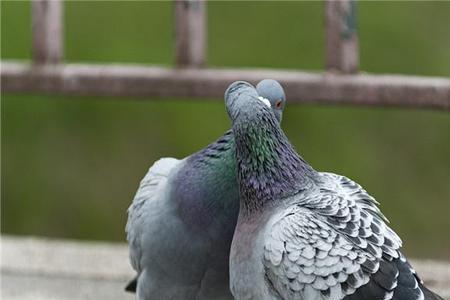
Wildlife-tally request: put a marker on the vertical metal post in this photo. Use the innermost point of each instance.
(47, 30)
(341, 36)
(190, 32)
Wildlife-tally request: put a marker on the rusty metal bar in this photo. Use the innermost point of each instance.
(47, 28)
(190, 32)
(341, 38)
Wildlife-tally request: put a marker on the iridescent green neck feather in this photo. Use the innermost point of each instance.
(268, 166)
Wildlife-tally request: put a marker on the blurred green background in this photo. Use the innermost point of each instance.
(71, 165)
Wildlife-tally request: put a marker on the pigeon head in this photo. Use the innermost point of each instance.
(268, 166)
(274, 92)
(241, 98)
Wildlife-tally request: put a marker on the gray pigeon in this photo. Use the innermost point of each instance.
(181, 222)
(303, 234)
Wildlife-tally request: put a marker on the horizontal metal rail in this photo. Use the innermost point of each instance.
(301, 87)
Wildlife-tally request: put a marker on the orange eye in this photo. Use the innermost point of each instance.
(278, 104)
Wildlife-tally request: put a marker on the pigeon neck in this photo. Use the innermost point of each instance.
(268, 166)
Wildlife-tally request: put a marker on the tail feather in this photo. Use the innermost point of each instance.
(429, 295)
(131, 286)
(395, 280)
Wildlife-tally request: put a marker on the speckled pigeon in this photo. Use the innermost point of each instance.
(303, 234)
(181, 222)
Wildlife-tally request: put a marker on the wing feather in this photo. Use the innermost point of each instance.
(330, 242)
(148, 190)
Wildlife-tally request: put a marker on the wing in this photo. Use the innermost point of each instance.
(352, 212)
(148, 190)
(306, 258)
(332, 242)
(391, 276)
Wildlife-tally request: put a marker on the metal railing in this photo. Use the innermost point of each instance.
(339, 84)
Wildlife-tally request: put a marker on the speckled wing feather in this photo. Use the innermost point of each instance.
(148, 190)
(333, 243)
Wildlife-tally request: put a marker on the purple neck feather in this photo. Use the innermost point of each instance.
(269, 168)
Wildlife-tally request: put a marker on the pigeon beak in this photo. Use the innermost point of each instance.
(265, 101)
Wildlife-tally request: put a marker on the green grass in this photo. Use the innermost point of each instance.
(71, 165)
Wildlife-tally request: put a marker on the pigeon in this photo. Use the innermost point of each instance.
(182, 218)
(304, 234)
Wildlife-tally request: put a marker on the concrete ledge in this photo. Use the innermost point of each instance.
(39, 268)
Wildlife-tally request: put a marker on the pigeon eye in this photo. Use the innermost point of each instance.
(278, 104)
